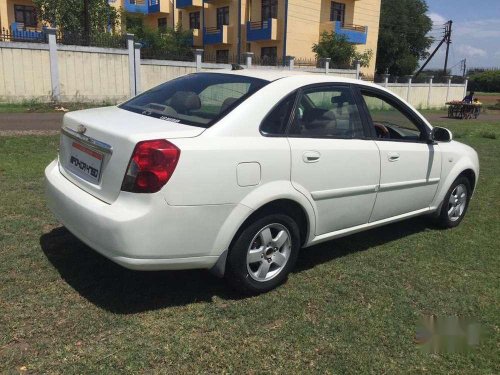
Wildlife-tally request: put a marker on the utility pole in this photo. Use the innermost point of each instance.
(446, 39)
(465, 68)
(448, 42)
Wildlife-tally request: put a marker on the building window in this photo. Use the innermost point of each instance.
(222, 17)
(26, 15)
(162, 24)
(269, 55)
(194, 20)
(222, 56)
(337, 12)
(269, 9)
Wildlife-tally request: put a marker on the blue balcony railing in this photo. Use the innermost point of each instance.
(354, 34)
(261, 30)
(181, 4)
(142, 6)
(19, 33)
(212, 35)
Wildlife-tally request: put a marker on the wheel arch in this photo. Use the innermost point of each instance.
(282, 206)
(288, 201)
(463, 168)
(471, 176)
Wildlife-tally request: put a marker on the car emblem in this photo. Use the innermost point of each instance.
(81, 129)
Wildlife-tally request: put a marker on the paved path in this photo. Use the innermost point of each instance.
(442, 116)
(30, 121)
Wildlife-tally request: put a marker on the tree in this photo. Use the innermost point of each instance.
(403, 40)
(169, 43)
(488, 81)
(77, 16)
(340, 51)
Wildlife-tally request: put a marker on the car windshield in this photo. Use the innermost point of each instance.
(198, 99)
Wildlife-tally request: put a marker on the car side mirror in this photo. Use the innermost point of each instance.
(441, 135)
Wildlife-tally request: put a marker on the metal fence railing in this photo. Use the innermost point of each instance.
(159, 54)
(222, 58)
(22, 35)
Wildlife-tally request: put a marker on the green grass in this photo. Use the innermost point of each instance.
(352, 305)
(480, 93)
(41, 107)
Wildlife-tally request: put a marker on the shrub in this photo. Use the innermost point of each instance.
(340, 51)
(488, 81)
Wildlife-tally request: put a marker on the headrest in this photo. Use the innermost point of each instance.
(342, 98)
(183, 101)
(227, 103)
(317, 118)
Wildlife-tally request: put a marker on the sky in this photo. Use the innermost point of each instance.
(475, 32)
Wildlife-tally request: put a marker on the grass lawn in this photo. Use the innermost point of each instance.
(352, 305)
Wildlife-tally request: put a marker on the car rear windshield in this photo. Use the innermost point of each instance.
(198, 99)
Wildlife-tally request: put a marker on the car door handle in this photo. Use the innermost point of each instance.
(311, 156)
(393, 156)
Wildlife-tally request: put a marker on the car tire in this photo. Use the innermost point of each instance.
(455, 204)
(263, 254)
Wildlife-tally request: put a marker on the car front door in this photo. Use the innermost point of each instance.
(410, 165)
(334, 161)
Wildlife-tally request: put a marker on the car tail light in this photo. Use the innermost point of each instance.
(150, 166)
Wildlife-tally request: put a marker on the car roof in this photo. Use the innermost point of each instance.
(304, 77)
(276, 74)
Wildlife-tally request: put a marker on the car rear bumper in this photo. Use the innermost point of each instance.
(138, 231)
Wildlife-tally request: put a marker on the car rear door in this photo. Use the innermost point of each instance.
(332, 159)
(410, 165)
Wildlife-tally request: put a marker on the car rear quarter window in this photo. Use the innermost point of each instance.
(276, 121)
(199, 99)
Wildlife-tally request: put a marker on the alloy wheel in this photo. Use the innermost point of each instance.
(457, 202)
(269, 252)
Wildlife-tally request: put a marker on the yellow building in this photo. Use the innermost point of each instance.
(22, 12)
(271, 29)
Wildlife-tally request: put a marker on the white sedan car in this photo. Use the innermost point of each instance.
(236, 171)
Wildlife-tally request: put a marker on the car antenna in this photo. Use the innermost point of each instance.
(236, 67)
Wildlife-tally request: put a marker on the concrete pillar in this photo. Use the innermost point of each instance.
(358, 69)
(248, 59)
(466, 83)
(431, 78)
(327, 65)
(290, 62)
(449, 88)
(385, 77)
(137, 67)
(54, 64)
(198, 55)
(408, 93)
(131, 64)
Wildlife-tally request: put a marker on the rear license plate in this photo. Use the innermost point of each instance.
(85, 163)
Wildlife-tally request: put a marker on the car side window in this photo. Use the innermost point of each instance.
(327, 112)
(389, 121)
(276, 121)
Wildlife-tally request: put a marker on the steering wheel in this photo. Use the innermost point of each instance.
(381, 130)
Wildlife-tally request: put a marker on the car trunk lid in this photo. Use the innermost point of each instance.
(96, 146)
